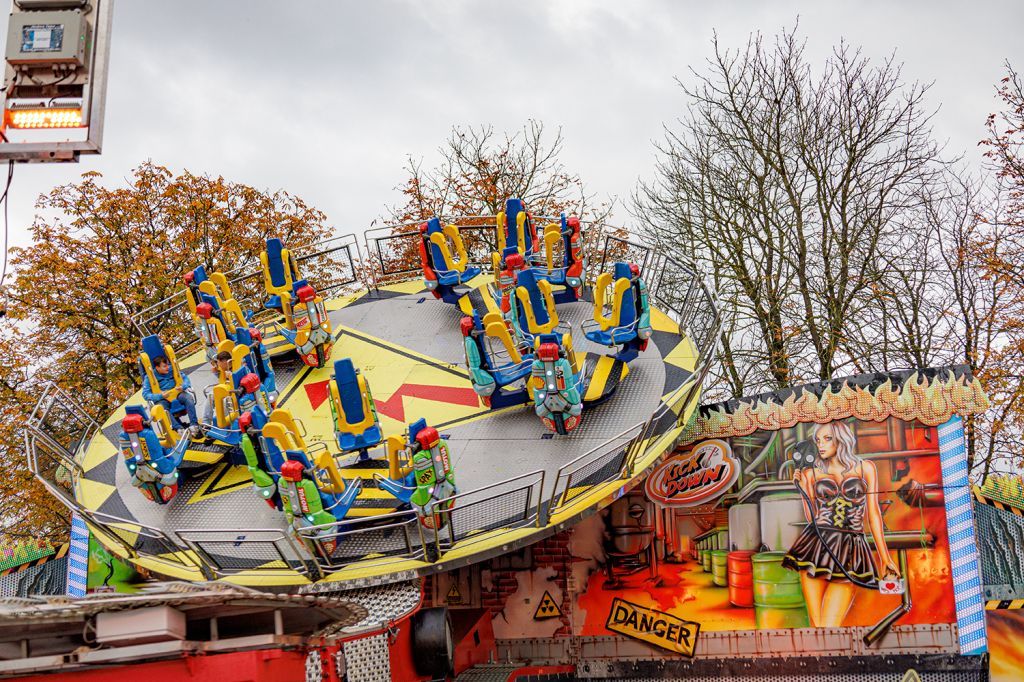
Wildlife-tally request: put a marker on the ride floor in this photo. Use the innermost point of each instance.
(409, 348)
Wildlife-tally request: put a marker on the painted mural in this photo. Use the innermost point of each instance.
(818, 506)
(825, 525)
(1006, 645)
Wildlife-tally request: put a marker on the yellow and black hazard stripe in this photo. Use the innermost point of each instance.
(372, 501)
(273, 340)
(996, 503)
(59, 554)
(601, 376)
(479, 300)
(995, 604)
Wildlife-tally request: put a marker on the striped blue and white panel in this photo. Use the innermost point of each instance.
(78, 557)
(963, 550)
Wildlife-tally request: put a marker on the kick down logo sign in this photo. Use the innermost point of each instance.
(654, 627)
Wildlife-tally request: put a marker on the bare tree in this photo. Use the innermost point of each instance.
(479, 170)
(800, 190)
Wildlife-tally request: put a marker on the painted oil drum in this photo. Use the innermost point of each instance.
(707, 560)
(778, 599)
(741, 578)
(744, 527)
(723, 539)
(719, 567)
(782, 517)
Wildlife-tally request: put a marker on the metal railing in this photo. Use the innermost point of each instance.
(229, 551)
(396, 247)
(615, 459)
(506, 505)
(137, 539)
(329, 264)
(600, 465)
(373, 540)
(56, 433)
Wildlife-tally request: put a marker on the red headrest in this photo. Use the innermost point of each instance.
(250, 382)
(190, 277)
(514, 261)
(306, 293)
(573, 222)
(634, 268)
(204, 310)
(427, 437)
(466, 325)
(132, 423)
(245, 421)
(256, 334)
(423, 228)
(548, 352)
(292, 470)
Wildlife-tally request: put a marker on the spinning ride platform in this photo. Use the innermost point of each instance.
(517, 481)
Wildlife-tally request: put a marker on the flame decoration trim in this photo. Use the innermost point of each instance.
(930, 396)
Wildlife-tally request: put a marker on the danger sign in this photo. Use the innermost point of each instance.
(654, 627)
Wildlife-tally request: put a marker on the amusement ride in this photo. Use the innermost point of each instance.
(525, 386)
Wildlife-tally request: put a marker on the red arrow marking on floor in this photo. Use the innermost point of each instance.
(317, 393)
(394, 408)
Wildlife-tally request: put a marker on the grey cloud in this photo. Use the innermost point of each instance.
(326, 99)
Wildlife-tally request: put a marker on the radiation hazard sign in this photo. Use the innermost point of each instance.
(454, 596)
(654, 627)
(547, 608)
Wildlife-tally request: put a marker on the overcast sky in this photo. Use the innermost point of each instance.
(326, 99)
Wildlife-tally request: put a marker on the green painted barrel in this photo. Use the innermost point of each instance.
(707, 559)
(778, 599)
(720, 567)
(722, 539)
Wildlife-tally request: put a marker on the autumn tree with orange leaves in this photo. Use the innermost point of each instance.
(109, 253)
(1000, 248)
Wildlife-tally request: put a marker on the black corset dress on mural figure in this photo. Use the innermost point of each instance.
(835, 540)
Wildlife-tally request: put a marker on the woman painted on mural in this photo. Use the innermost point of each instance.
(841, 505)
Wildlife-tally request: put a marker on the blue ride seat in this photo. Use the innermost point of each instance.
(620, 326)
(152, 348)
(355, 419)
(534, 304)
(518, 229)
(279, 273)
(448, 254)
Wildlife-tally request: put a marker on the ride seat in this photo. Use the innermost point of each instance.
(230, 312)
(279, 273)
(516, 230)
(355, 421)
(553, 237)
(535, 304)
(152, 348)
(516, 368)
(283, 444)
(620, 325)
(450, 269)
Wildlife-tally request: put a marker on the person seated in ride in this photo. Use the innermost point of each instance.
(222, 365)
(165, 381)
